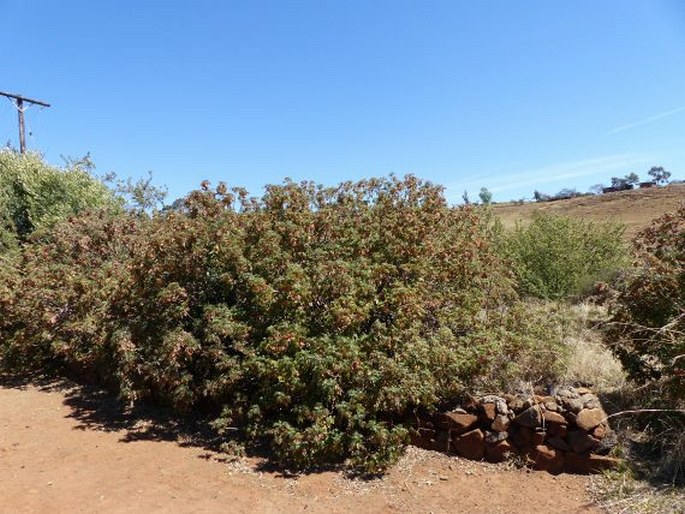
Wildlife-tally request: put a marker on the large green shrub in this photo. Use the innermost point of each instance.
(35, 195)
(313, 319)
(557, 256)
(56, 298)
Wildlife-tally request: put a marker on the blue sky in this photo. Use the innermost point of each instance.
(513, 96)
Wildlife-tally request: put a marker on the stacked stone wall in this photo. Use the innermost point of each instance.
(565, 432)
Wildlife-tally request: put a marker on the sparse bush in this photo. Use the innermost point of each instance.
(647, 331)
(556, 257)
(313, 319)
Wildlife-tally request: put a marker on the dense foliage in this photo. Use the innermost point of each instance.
(35, 195)
(648, 325)
(313, 319)
(557, 257)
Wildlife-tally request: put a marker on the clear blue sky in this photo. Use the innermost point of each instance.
(509, 95)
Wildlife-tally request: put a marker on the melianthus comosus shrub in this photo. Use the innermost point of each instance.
(647, 328)
(312, 319)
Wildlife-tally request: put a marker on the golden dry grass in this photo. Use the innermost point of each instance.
(636, 209)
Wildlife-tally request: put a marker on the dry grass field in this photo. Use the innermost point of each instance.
(633, 208)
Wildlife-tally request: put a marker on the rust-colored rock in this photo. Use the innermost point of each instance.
(499, 452)
(590, 463)
(554, 417)
(570, 400)
(460, 422)
(495, 437)
(470, 445)
(501, 423)
(522, 436)
(550, 404)
(600, 431)
(538, 437)
(515, 403)
(489, 411)
(542, 430)
(588, 419)
(581, 442)
(548, 459)
(531, 417)
(558, 443)
(556, 430)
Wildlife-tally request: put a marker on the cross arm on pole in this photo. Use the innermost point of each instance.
(21, 98)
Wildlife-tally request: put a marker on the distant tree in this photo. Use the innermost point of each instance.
(540, 197)
(597, 189)
(619, 183)
(566, 193)
(465, 197)
(659, 174)
(485, 195)
(632, 179)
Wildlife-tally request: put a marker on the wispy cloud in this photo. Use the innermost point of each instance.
(621, 163)
(645, 121)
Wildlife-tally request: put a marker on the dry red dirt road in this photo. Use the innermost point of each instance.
(65, 449)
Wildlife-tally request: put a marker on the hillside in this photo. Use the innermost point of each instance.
(633, 208)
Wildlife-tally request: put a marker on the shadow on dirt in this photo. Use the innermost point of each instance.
(97, 409)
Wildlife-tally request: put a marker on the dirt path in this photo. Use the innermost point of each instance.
(67, 449)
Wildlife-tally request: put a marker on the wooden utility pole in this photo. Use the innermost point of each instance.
(20, 109)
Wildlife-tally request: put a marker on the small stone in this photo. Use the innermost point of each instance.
(495, 437)
(501, 423)
(599, 431)
(470, 445)
(548, 459)
(499, 452)
(522, 436)
(538, 437)
(531, 417)
(607, 443)
(501, 406)
(552, 417)
(558, 443)
(460, 422)
(581, 442)
(588, 419)
(590, 401)
(555, 430)
(515, 403)
(582, 390)
(590, 463)
(489, 411)
(570, 400)
(551, 405)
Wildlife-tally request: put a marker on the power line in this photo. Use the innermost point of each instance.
(19, 103)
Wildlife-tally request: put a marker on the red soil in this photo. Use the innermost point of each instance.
(68, 449)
